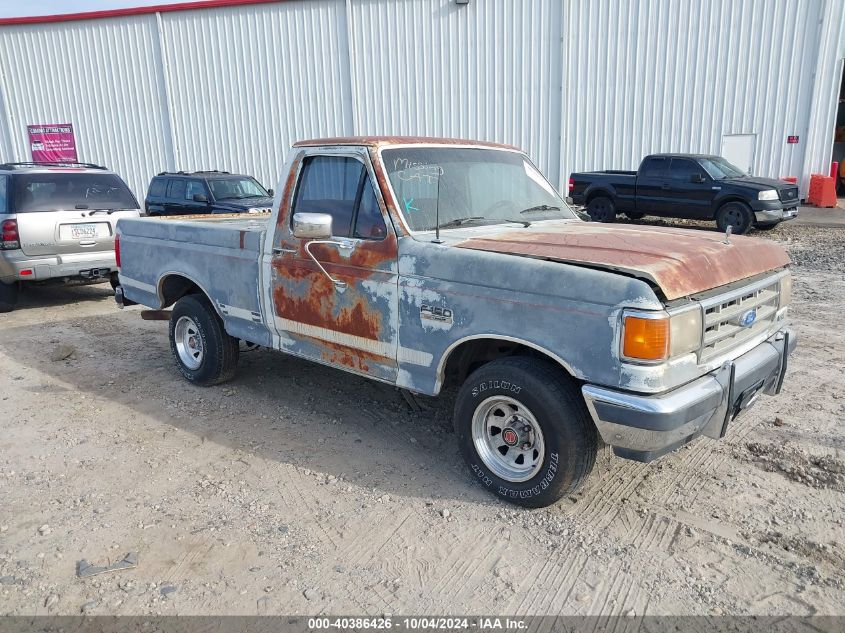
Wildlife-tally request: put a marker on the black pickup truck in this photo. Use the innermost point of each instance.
(691, 186)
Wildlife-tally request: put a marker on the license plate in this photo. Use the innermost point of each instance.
(84, 231)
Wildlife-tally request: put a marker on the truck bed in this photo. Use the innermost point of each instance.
(219, 254)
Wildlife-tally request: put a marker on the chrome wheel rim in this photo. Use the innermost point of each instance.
(508, 439)
(188, 343)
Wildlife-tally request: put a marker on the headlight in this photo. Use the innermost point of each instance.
(655, 336)
(768, 194)
(785, 297)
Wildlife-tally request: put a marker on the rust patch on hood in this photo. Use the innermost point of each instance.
(680, 262)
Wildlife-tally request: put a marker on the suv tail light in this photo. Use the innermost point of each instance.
(10, 237)
(117, 249)
(571, 184)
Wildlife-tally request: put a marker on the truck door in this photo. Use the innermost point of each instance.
(653, 185)
(690, 193)
(353, 324)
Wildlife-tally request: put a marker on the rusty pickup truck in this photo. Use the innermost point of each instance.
(432, 264)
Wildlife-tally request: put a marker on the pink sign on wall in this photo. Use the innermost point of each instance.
(52, 143)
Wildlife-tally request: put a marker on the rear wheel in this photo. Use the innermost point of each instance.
(9, 296)
(735, 214)
(204, 353)
(601, 209)
(524, 431)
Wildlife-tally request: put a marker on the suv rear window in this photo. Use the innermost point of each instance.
(60, 192)
(3, 194)
(157, 188)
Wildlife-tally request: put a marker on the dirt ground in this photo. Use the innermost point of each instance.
(301, 489)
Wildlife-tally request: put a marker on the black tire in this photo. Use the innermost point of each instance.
(736, 214)
(767, 227)
(634, 215)
(601, 209)
(9, 296)
(219, 351)
(114, 280)
(569, 436)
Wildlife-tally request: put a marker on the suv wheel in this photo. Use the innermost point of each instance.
(204, 353)
(9, 296)
(601, 209)
(735, 214)
(524, 430)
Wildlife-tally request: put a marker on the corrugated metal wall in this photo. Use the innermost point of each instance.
(580, 84)
(98, 75)
(675, 76)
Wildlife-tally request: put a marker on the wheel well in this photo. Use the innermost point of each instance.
(598, 193)
(174, 287)
(728, 201)
(472, 354)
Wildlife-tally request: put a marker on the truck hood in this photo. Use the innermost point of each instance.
(680, 262)
(759, 184)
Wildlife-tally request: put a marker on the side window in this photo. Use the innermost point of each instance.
(330, 184)
(654, 167)
(3, 194)
(683, 169)
(369, 223)
(194, 187)
(176, 189)
(157, 187)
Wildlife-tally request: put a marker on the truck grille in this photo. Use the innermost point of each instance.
(790, 194)
(723, 314)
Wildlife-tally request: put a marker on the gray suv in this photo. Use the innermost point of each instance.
(57, 223)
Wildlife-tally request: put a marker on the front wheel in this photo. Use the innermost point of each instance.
(601, 209)
(524, 431)
(735, 214)
(9, 296)
(204, 353)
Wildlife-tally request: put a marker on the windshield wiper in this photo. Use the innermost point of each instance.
(461, 221)
(524, 223)
(107, 211)
(540, 207)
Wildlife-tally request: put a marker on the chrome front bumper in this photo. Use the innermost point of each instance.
(643, 427)
(768, 216)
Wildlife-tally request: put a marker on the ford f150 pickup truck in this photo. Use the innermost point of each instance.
(687, 186)
(425, 263)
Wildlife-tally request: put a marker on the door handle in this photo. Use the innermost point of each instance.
(665, 187)
(278, 250)
(339, 285)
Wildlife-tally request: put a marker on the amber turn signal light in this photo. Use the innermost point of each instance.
(646, 338)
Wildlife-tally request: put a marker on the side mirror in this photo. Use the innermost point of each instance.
(312, 226)
(271, 192)
(200, 197)
(697, 178)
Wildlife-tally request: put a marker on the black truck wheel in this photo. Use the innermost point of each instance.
(524, 431)
(204, 353)
(601, 209)
(735, 214)
(9, 296)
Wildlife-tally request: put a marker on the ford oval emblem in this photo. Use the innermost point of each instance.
(747, 319)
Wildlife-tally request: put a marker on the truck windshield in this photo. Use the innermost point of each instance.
(64, 191)
(719, 168)
(486, 185)
(236, 188)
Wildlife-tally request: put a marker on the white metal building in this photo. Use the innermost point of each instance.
(580, 84)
